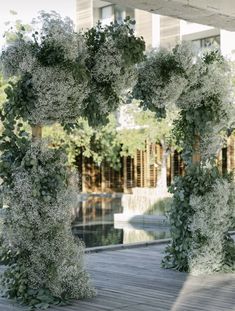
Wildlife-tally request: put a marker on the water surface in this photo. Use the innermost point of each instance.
(94, 224)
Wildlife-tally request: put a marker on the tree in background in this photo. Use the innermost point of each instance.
(99, 143)
(149, 129)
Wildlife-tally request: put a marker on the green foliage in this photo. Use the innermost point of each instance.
(161, 78)
(147, 128)
(204, 112)
(100, 143)
(51, 86)
(204, 105)
(15, 28)
(3, 85)
(105, 145)
(197, 181)
(213, 248)
(92, 69)
(115, 46)
(14, 140)
(124, 37)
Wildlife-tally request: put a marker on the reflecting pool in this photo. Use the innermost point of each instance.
(94, 224)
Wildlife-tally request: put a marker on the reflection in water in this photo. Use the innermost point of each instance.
(99, 235)
(133, 233)
(94, 224)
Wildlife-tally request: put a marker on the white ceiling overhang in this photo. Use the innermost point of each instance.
(216, 13)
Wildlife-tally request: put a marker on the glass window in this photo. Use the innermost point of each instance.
(212, 42)
(119, 13)
(107, 15)
(207, 43)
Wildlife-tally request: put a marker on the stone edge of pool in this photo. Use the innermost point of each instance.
(145, 219)
(98, 249)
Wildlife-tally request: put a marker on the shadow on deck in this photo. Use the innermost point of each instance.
(132, 280)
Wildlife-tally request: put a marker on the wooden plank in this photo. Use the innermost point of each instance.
(133, 280)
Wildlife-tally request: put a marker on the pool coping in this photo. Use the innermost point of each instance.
(98, 249)
(116, 247)
(137, 218)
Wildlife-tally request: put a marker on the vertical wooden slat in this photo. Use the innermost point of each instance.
(83, 174)
(220, 161)
(228, 154)
(147, 165)
(155, 164)
(142, 168)
(36, 132)
(172, 165)
(135, 170)
(103, 188)
(168, 165)
(124, 175)
(196, 157)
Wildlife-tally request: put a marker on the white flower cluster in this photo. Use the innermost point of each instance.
(185, 56)
(61, 33)
(110, 68)
(108, 63)
(205, 82)
(41, 229)
(180, 77)
(155, 81)
(212, 141)
(125, 81)
(17, 59)
(212, 220)
(58, 90)
(59, 96)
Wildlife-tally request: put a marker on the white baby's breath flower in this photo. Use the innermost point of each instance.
(108, 63)
(42, 229)
(212, 219)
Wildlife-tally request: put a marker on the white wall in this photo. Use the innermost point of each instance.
(227, 42)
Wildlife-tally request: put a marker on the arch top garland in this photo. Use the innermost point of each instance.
(64, 74)
(56, 75)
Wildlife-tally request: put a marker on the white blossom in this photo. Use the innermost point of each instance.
(162, 89)
(212, 218)
(59, 96)
(108, 63)
(59, 91)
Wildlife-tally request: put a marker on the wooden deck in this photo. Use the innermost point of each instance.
(132, 280)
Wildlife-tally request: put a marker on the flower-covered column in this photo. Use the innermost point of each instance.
(203, 201)
(56, 80)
